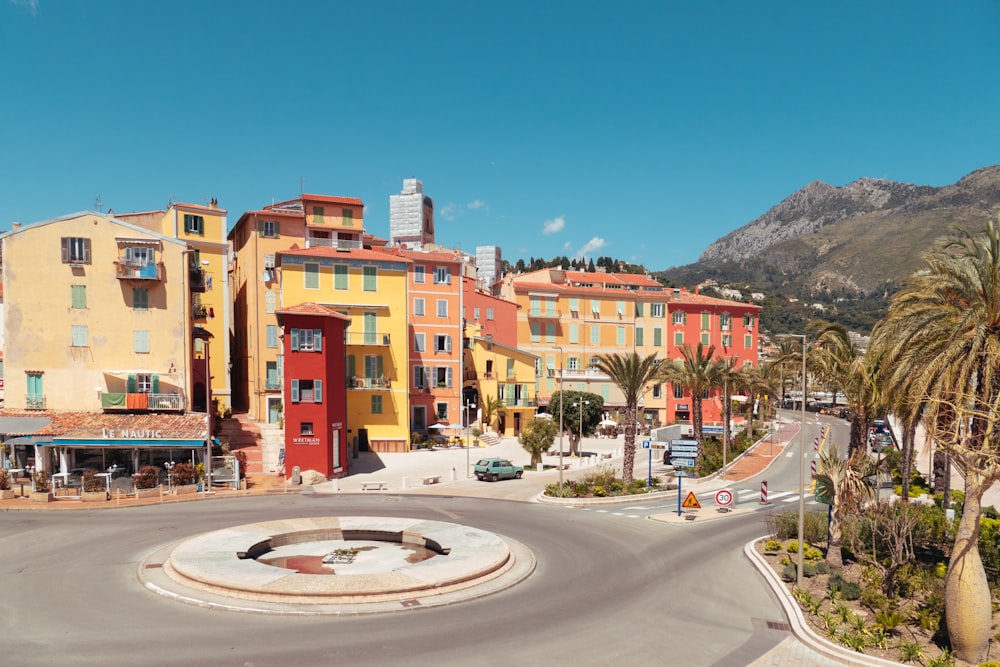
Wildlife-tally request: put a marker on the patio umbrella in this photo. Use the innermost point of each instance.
(440, 426)
(608, 422)
(543, 415)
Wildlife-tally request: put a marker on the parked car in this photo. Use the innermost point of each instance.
(493, 469)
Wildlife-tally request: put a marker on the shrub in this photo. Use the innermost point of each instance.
(4, 480)
(812, 553)
(557, 491)
(773, 546)
(40, 481)
(148, 477)
(848, 590)
(182, 474)
(821, 567)
(581, 489)
(789, 572)
(241, 457)
(617, 486)
(792, 548)
(910, 652)
(92, 483)
(808, 569)
(784, 525)
(599, 491)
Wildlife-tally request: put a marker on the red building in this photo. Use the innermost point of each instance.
(315, 391)
(496, 316)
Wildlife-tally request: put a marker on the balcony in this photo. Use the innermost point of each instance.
(520, 402)
(143, 402)
(199, 312)
(584, 374)
(34, 401)
(544, 315)
(339, 244)
(135, 271)
(369, 383)
(367, 338)
(272, 385)
(196, 277)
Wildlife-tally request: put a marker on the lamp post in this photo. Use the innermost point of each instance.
(468, 405)
(169, 465)
(802, 460)
(579, 404)
(558, 347)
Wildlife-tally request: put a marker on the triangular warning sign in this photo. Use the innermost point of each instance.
(691, 502)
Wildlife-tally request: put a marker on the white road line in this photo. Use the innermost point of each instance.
(633, 516)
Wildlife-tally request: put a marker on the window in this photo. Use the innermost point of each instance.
(35, 396)
(657, 391)
(80, 335)
(550, 307)
(638, 309)
(442, 376)
(305, 428)
(140, 298)
(680, 317)
(725, 321)
(340, 277)
(307, 391)
(510, 368)
(442, 275)
(550, 332)
(639, 336)
(419, 274)
(270, 301)
(595, 306)
(421, 376)
(574, 305)
(748, 321)
(748, 341)
(475, 314)
(272, 377)
(536, 331)
(489, 313)
(370, 283)
(269, 261)
(704, 339)
(318, 213)
(75, 250)
(269, 229)
(621, 308)
(373, 366)
(78, 296)
(573, 363)
(678, 391)
(418, 307)
(307, 340)
(194, 224)
(419, 342)
(706, 320)
(678, 338)
(657, 310)
(442, 308)
(272, 335)
(657, 337)
(594, 362)
(442, 411)
(574, 333)
(535, 306)
(348, 217)
(595, 334)
(311, 276)
(140, 341)
(727, 340)
(620, 336)
(442, 343)
(376, 404)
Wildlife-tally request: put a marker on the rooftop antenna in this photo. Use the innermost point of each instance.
(98, 204)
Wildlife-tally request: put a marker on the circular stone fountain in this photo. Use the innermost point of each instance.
(337, 565)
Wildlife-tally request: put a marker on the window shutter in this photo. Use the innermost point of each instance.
(131, 384)
(156, 384)
(447, 343)
(318, 339)
(449, 377)
(427, 376)
(277, 228)
(260, 226)
(295, 340)
(378, 366)
(317, 391)
(295, 391)
(65, 250)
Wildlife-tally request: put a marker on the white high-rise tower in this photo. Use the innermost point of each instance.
(411, 216)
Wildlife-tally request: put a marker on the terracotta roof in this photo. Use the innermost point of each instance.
(199, 207)
(419, 255)
(353, 253)
(188, 425)
(312, 309)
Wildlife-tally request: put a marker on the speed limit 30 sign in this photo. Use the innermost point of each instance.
(724, 498)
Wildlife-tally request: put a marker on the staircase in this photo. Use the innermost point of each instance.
(490, 438)
(261, 443)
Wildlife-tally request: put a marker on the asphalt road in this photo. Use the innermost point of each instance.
(603, 590)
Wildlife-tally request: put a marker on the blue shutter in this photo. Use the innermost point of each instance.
(317, 391)
(295, 391)
(318, 340)
(295, 339)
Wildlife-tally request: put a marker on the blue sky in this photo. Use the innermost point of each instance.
(638, 130)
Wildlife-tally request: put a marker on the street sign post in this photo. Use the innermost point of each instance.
(680, 462)
(724, 498)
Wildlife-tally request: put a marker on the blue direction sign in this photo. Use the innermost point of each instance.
(681, 463)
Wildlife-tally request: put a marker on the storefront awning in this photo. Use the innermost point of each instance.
(162, 443)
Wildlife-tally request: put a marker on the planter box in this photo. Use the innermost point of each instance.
(185, 489)
(40, 496)
(148, 493)
(94, 496)
(7, 494)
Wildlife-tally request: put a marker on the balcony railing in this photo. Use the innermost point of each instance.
(369, 383)
(140, 401)
(339, 244)
(272, 385)
(199, 312)
(132, 271)
(544, 314)
(521, 403)
(366, 338)
(196, 276)
(34, 401)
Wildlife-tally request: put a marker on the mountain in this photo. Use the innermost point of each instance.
(843, 249)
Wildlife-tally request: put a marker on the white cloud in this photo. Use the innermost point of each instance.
(32, 5)
(591, 246)
(553, 226)
(567, 245)
(477, 204)
(448, 212)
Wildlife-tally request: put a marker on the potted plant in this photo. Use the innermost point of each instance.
(95, 489)
(184, 478)
(41, 487)
(147, 482)
(6, 493)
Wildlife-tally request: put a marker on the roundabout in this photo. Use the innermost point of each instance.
(336, 565)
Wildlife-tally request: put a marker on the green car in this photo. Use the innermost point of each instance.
(493, 469)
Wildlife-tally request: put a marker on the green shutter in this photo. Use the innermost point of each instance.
(131, 383)
(295, 339)
(295, 391)
(156, 384)
(317, 391)
(639, 336)
(318, 340)
(79, 296)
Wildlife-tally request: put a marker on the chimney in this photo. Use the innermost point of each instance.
(15, 226)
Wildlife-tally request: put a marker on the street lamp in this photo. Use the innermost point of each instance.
(468, 404)
(802, 461)
(558, 347)
(169, 465)
(579, 404)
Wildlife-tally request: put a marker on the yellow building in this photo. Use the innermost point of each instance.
(370, 287)
(504, 373)
(203, 230)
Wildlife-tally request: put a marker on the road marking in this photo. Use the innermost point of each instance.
(633, 516)
(602, 511)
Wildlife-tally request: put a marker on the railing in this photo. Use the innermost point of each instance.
(591, 373)
(369, 383)
(544, 314)
(522, 403)
(366, 338)
(142, 401)
(196, 276)
(166, 402)
(34, 401)
(339, 244)
(271, 385)
(133, 271)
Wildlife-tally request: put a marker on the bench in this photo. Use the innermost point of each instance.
(374, 486)
(432, 479)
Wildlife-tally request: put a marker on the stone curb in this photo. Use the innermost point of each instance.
(800, 628)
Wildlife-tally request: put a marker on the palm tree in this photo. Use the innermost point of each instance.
(787, 357)
(631, 373)
(698, 373)
(492, 407)
(841, 482)
(941, 344)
